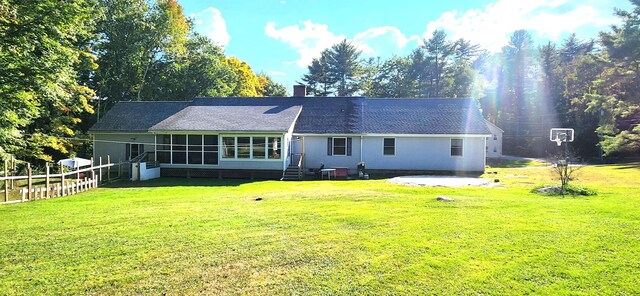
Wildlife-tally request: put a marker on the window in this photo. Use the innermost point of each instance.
(259, 148)
(389, 146)
(274, 147)
(228, 147)
(495, 137)
(244, 147)
(134, 150)
(456, 147)
(340, 146)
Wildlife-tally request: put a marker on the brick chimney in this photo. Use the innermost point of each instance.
(299, 90)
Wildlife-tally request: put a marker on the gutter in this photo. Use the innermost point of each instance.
(399, 135)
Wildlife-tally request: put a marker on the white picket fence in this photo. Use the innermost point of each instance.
(57, 190)
(63, 185)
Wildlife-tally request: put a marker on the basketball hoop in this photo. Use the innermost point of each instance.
(560, 135)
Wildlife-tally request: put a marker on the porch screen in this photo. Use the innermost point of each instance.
(187, 149)
(179, 149)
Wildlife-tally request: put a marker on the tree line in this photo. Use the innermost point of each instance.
(590, 85)
(63, 64)
(439, 68)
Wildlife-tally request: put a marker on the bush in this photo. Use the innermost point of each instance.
(555, 190)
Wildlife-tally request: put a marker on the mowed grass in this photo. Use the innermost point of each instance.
(202, 236)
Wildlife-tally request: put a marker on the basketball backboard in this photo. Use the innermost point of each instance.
(560, 135)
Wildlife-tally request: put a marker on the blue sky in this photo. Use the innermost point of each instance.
(280, 37)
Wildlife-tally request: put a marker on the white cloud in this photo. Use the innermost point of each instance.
(210, 23)
(277, 73)
(490, 27)
(310, 39)
(390, 32)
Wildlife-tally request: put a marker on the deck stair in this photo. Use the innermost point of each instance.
(294, 171)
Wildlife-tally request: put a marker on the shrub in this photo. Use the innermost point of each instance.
(555, 190)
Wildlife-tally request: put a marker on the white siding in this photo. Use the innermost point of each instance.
(424, 153)
(494, 145)
(114, 145)
(316, 153)
(412, 153)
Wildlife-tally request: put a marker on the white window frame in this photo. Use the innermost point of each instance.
(265, 144)
(138, 146)
(394, 147)
(235, 147)
(333, 146)
(280, 145)
(250, 148)
(461, 147)
(251, 156)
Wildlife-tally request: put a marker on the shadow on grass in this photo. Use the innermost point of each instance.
(381, 176)
(631, 165)
(506, 163)
(169, 182)
(620, 165)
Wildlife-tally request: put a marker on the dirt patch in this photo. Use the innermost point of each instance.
(441, 181)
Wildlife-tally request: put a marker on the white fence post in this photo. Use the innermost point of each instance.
(100, 169)
(47, 184)
(29, 181)
(6, 182)
(62, 180)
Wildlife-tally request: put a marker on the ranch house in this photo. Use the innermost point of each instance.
(273, 137)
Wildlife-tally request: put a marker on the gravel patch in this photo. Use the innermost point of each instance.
(440, 181)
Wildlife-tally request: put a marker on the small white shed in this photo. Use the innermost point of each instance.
(494, 142)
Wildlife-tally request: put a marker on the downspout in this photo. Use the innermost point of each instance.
(93, 148)
(284, 152)
(360, 148)
(155, 149)
(485, 155)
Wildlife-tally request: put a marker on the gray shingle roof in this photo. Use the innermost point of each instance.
(136, 116)
(339, 115)
(250, 114)
(332, 115)
(421, 116)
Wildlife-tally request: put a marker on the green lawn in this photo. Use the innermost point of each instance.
(189, 236)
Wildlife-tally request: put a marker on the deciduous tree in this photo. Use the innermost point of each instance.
(43, 47)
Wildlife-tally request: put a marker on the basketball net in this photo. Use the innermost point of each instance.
(558, 141)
